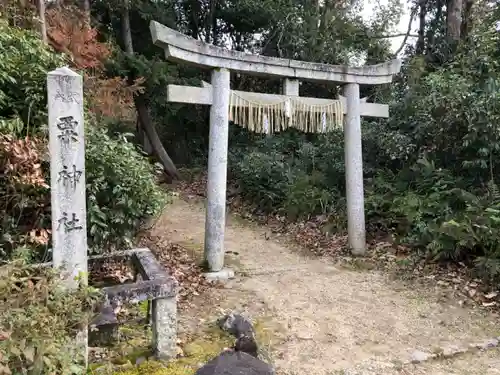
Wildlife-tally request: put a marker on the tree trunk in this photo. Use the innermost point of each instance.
(431, 31)
(314, 19)
(143, 139)
(467, 22)
(149, 129)
(420, 47)
(85, 6)
(192, 10)
(454, 20)
(144, 119)
(128, 46)
(43, 23)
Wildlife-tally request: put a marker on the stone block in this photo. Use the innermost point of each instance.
(164, 324)
(220, 276)
(154, 284)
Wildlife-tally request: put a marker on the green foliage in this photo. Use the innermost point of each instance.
(39, 321)
(121, 190)
(264, 178)
(24, 64)
(289, 174)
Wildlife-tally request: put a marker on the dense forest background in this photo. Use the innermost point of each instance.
(430, 169)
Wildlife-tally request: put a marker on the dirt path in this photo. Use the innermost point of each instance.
(333, 320)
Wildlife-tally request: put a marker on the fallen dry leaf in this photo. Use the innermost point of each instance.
(180, 264)
(322, 239)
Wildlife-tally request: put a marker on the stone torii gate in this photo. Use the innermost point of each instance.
(181, 48)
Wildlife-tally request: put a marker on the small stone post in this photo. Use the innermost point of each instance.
(67, 178)
(217, 170)
(164, 327)
(354, 171)
(290, 87)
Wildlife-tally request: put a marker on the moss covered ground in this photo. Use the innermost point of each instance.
(201, 347)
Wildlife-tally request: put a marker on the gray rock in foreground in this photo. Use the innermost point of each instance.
(236, 324)
(235, 363)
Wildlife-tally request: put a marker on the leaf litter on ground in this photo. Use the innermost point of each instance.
(383, 253)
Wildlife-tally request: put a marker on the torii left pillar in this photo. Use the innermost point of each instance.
(215, 221)
(354, 171)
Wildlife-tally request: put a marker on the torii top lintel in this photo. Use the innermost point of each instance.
(181, 48)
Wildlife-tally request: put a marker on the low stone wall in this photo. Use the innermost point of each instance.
(153, 284)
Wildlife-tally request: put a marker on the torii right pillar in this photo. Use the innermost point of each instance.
(354, 171)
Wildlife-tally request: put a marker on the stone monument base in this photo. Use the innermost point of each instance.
(152, 284)
(224, 274)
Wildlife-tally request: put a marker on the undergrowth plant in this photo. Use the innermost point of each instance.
(39, 321)
(24, 63)
(122, 190)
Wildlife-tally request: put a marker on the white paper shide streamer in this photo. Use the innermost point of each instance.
(279, 113)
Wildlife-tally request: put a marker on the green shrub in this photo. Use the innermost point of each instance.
(24, 64)
(263, 177)
(121, 190)
(121, 184)
(472, 232)
(430, 209)
(39, 321)
(307, 195)
(287, 173)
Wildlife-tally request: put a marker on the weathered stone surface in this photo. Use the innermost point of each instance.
(103, 329)
(217, 170)
(141, 291)
(247, 344)
(147, 264)
(488, 344)
(354, 172)
(418, 356)
(153, 284)
(241, 328)
(67, 174)
(235, 363)
(67, 181)
(222, 275)
(453, 350)
(179, 47)
(203, 95)
(164, 315)
(235, 324)
(140, 360)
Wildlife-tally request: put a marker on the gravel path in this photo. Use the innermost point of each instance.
(336, 321)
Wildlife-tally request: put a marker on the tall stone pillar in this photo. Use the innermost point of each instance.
(217, 170)
(354, 171)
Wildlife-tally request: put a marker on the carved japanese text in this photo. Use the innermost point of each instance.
(67, 126)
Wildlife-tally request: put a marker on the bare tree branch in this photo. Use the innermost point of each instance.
(412, 16)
